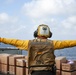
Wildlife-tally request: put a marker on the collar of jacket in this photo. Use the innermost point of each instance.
(41, 37)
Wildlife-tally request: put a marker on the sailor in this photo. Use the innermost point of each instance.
(41, 58)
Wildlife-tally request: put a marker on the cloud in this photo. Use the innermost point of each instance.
(10, 25)
(17, 29)
(70, 22)
(43, 8)
(9, 1)
(5, 18)
(53, 12)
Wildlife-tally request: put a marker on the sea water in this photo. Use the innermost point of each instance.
(69, 53)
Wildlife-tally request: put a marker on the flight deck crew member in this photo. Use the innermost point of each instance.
(41, 58)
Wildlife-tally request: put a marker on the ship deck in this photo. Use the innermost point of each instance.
(3, 74)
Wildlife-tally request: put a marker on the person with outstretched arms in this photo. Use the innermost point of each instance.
(41, 58)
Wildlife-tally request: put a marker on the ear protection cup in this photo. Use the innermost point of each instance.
(50, 35)
(35, 34)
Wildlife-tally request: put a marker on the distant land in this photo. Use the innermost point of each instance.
(2, 45)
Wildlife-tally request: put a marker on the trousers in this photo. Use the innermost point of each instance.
(43, 72)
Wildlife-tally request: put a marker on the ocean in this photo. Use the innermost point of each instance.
(69, 53)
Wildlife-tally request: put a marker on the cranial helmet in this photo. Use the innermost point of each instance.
(43, 30)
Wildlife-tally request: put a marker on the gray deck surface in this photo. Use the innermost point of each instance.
(4, 74)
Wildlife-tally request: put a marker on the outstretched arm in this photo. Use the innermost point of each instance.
(63, 44)
(21, 44)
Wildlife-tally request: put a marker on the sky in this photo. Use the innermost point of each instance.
(20, 18)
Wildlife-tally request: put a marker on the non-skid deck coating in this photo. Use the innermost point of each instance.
(5, 74)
